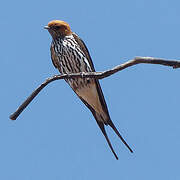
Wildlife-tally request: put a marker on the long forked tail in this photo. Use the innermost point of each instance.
(117, 132)
(100, 121)
(101, 125)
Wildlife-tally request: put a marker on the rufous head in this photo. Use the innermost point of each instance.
(58, 28)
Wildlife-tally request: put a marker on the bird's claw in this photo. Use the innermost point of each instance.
(82, 74)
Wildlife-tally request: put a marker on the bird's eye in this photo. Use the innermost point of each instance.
(57, 27)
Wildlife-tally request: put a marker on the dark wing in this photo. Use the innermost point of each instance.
(86, 52)
(101, 98)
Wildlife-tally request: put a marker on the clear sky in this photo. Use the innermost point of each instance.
(56, 137)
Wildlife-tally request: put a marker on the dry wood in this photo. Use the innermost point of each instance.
(97, 75)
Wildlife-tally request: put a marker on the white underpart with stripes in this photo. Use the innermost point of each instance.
(73, 60)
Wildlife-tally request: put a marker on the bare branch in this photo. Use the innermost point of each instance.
(97, 75)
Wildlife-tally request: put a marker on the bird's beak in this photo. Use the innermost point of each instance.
(46, 27)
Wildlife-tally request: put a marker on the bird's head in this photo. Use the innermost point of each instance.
(58, 29)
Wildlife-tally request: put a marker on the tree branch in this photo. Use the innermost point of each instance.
(97, 75)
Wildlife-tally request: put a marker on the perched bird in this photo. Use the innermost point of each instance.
(69, 54)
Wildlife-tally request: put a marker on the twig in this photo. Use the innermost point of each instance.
(97, 75)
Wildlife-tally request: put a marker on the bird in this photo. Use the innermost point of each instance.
(69, 54)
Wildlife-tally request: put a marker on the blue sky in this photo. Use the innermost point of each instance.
(56, 137)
